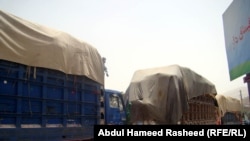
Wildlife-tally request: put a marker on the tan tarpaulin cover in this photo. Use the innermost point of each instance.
(38, 46)
(228, 104)
(161, 94)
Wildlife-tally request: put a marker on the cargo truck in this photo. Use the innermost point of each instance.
(171, 95)
(51, 85)
(230, 110)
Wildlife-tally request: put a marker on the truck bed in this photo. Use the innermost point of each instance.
(43, 104)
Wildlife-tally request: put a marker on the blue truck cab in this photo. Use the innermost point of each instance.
(115, 107)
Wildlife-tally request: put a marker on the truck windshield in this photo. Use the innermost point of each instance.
(115, 102)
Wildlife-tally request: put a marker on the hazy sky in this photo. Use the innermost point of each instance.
(139, 34)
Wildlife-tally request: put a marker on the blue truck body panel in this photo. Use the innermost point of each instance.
(43, 104)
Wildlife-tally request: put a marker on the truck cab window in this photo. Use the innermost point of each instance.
(120, 104)
(113, 101)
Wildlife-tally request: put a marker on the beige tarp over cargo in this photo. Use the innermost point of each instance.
(228, 104)
(161, 94)
(34, 45)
